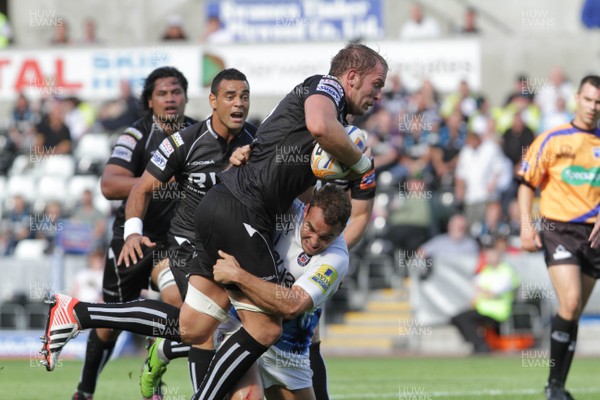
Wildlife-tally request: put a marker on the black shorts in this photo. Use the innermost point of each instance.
(223, 223)
(123, 284)
(180, 254)
(567, 243)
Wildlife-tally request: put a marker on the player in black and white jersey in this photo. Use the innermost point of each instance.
(163, 98)
(194, 157)
(238, 216)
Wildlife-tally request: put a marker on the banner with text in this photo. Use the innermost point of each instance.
(297, 20)
(272, 69)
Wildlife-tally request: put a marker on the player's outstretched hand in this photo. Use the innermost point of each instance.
(132, 249)
(227, 269)
(240, 156)
(594, 238)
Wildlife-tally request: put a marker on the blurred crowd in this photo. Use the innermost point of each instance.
(440, 155)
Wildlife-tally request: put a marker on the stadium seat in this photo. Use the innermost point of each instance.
(92, 152)
(30, 248)
(21, 166)
(75, 187)
(36, 315)
(52, 188)
(12, 316)
(100, 202)
(24, 185)
(59, 165)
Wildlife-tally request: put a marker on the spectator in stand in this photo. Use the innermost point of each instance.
(462, 100)
(90, 36)
(122, 112)
(492, 226)
(15, 224)
(416, 126)
(396, 99)
(87, 285)
(556, 86)
(480, 171)
(79, 117)
(445, 150)
(85, 212)
(419, 26)
(495, 286)
(383, 140)
(409, 217)
(48, 225)
(559, 116)
(455, 242)
(470, 23)
(214, 32)
(174, 29)
(515, 142)
(23, 120)
(61, 33)
(53, 135)
(6, 35)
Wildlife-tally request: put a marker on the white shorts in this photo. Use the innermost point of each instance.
(284, 368)
(277, 367)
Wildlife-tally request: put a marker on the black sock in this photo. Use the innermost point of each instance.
(235, 356)
(173, 350)
(146, 317)
(319, 378)
(560, 339)
(198, 363)
(570, 353)
(97, 354)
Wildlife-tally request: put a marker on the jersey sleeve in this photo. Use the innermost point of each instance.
(324, 276)
(535, 163)
(128, 151)
(327, 86)
(365, 187)
(168, 159)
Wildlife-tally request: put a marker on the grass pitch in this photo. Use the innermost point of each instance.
(521, 376)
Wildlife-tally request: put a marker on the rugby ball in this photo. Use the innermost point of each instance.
(325, 166)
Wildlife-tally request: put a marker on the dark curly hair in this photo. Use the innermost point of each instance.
(158, 73)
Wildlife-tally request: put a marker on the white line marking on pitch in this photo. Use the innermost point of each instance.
(427, 395)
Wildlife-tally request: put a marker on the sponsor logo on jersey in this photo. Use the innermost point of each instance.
(159, 160)
(134, 132)
(524, 166)
(566, 152)
(324, 277)
(127, 141)
(166, 148)
(560, 253)
(208, 162)
(577, 175)
(303, 259)
(368, 181)
(122, 153)
(596, 152)
(332, 82)
(177, 139)
(331, 91)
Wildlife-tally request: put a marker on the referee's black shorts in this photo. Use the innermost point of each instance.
(223, 223)
(567, 243)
